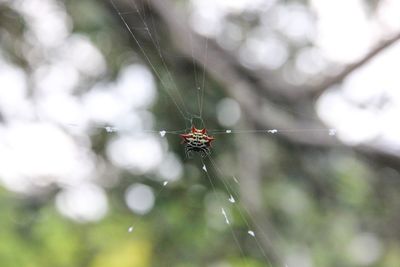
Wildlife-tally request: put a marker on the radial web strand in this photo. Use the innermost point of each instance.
(232, 192)
(219, 200)
(181, 107)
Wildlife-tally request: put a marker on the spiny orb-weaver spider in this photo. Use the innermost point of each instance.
(197, 140)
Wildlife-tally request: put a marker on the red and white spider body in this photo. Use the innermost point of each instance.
(197, 140)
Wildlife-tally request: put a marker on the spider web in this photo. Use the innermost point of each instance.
(207, 165)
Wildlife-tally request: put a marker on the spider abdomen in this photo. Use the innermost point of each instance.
(197, 140)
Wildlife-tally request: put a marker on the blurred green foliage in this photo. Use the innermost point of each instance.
(317, 201)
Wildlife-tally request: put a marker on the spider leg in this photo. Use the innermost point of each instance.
(188, 151)
(205, 152)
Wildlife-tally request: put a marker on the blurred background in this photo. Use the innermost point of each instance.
(88, 177)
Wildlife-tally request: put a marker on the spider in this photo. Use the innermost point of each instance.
(197, 140)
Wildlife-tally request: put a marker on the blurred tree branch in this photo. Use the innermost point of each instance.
(270, 84)
(317, 90)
